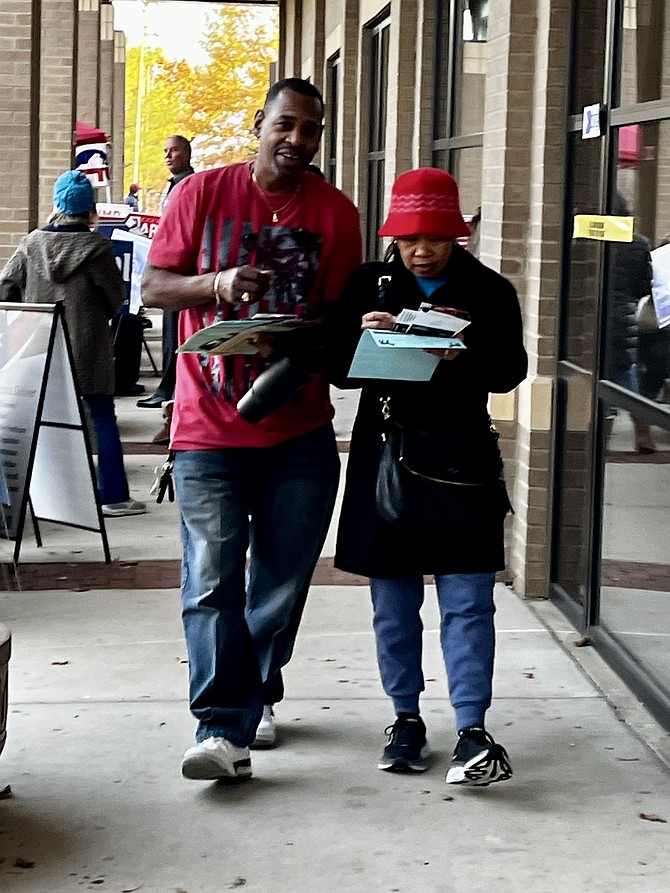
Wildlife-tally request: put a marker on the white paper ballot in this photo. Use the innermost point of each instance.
(398, 356)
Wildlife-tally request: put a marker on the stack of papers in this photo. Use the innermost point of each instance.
(398, 356)
(234, 336)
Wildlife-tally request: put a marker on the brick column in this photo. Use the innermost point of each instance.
(19, 148)
(57, 96)
(401, 90)
(118, 128)
(106, 82)
(522, 208)
(348, 136)
(88, 62)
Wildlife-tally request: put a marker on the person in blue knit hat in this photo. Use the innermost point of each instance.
(65, 261)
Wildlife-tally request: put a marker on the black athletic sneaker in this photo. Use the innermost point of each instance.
(478, 760)
(407, 750)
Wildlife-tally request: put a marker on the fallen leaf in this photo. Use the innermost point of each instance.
(19, 862)
(129, 889)
(6, 793)
(447, 797)
(59, 663)
(628, 759)
(650, 817)
(238, 882)
(529, 675)
(583, 642)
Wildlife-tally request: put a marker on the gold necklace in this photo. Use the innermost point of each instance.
(275, 212)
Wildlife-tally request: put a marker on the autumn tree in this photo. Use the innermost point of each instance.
(164, 110)
(211, 105)
(242, 43)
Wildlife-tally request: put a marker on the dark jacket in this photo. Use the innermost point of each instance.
(455, 399)
(78, 268)
(629, 280)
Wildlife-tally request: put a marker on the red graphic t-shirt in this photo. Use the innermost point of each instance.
(219, 219)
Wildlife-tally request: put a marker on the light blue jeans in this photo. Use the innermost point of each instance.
(467, 636)
(240, 628)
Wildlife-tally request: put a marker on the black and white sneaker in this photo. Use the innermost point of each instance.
(478, 760)
(407, 750)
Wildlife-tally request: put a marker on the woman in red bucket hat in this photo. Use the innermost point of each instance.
(461, 547)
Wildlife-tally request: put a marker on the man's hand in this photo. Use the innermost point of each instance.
(244, 285)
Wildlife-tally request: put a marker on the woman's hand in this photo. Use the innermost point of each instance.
(447, 354)
(378, 319)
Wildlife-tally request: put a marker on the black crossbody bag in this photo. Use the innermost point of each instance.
(426, 478)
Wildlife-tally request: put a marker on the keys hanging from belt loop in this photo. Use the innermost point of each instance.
(163, 482)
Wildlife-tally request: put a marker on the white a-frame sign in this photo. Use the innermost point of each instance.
(45, 454)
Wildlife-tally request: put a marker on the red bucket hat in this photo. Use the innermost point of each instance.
(425, 202)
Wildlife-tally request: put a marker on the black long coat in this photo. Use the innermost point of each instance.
(455, 399)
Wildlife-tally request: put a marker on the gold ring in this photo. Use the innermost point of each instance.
(245, 297)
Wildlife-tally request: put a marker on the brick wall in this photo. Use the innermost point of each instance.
(119, 118)
(88, 62)
(57, 100)
(19, 74)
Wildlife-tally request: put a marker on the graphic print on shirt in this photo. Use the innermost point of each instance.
(292, 256)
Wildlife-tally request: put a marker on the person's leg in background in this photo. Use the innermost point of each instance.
(396, 605)
(294, 497)
(225, 687)
(467, 635)
(112, 481)
(170, 340)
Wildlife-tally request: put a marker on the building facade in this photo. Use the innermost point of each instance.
(62, 62)
(495, 91)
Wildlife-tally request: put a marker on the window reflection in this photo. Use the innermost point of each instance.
(645, 61)
(468, 173)
(637, 353)
(473, 55)
(573, 487)
(635, 590)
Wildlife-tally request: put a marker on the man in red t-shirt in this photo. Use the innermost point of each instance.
(264, 237)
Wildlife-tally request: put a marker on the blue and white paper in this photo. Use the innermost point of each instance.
(398, 356)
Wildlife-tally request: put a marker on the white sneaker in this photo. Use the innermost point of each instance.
(266, 733)
(129, 507)
(216, 758)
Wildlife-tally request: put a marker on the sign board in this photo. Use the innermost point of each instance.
(591, 122)
(603, 228)
(660, 285)
(45, 454)
(113, 215)
(92, 160)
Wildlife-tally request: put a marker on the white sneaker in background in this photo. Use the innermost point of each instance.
(216, 758)
(266, 733)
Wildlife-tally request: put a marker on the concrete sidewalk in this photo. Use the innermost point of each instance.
(98, 723)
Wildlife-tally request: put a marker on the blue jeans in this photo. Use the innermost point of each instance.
(240, 628)
(112, 481)
(467, 636)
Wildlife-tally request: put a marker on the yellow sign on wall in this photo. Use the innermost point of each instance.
(603, 228)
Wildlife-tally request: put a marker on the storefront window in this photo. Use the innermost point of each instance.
(472, 58)
(588, 64)
(583, 272)
(635, 582)
(645, 52)
(467, 168)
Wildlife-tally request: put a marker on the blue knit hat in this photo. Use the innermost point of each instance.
(73, 193)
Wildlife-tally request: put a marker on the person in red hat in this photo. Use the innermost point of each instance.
(131, 199)
(463, 548)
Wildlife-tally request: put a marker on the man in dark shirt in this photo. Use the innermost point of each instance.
(177, 154)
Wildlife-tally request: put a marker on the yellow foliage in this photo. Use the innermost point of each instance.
(212, 105)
